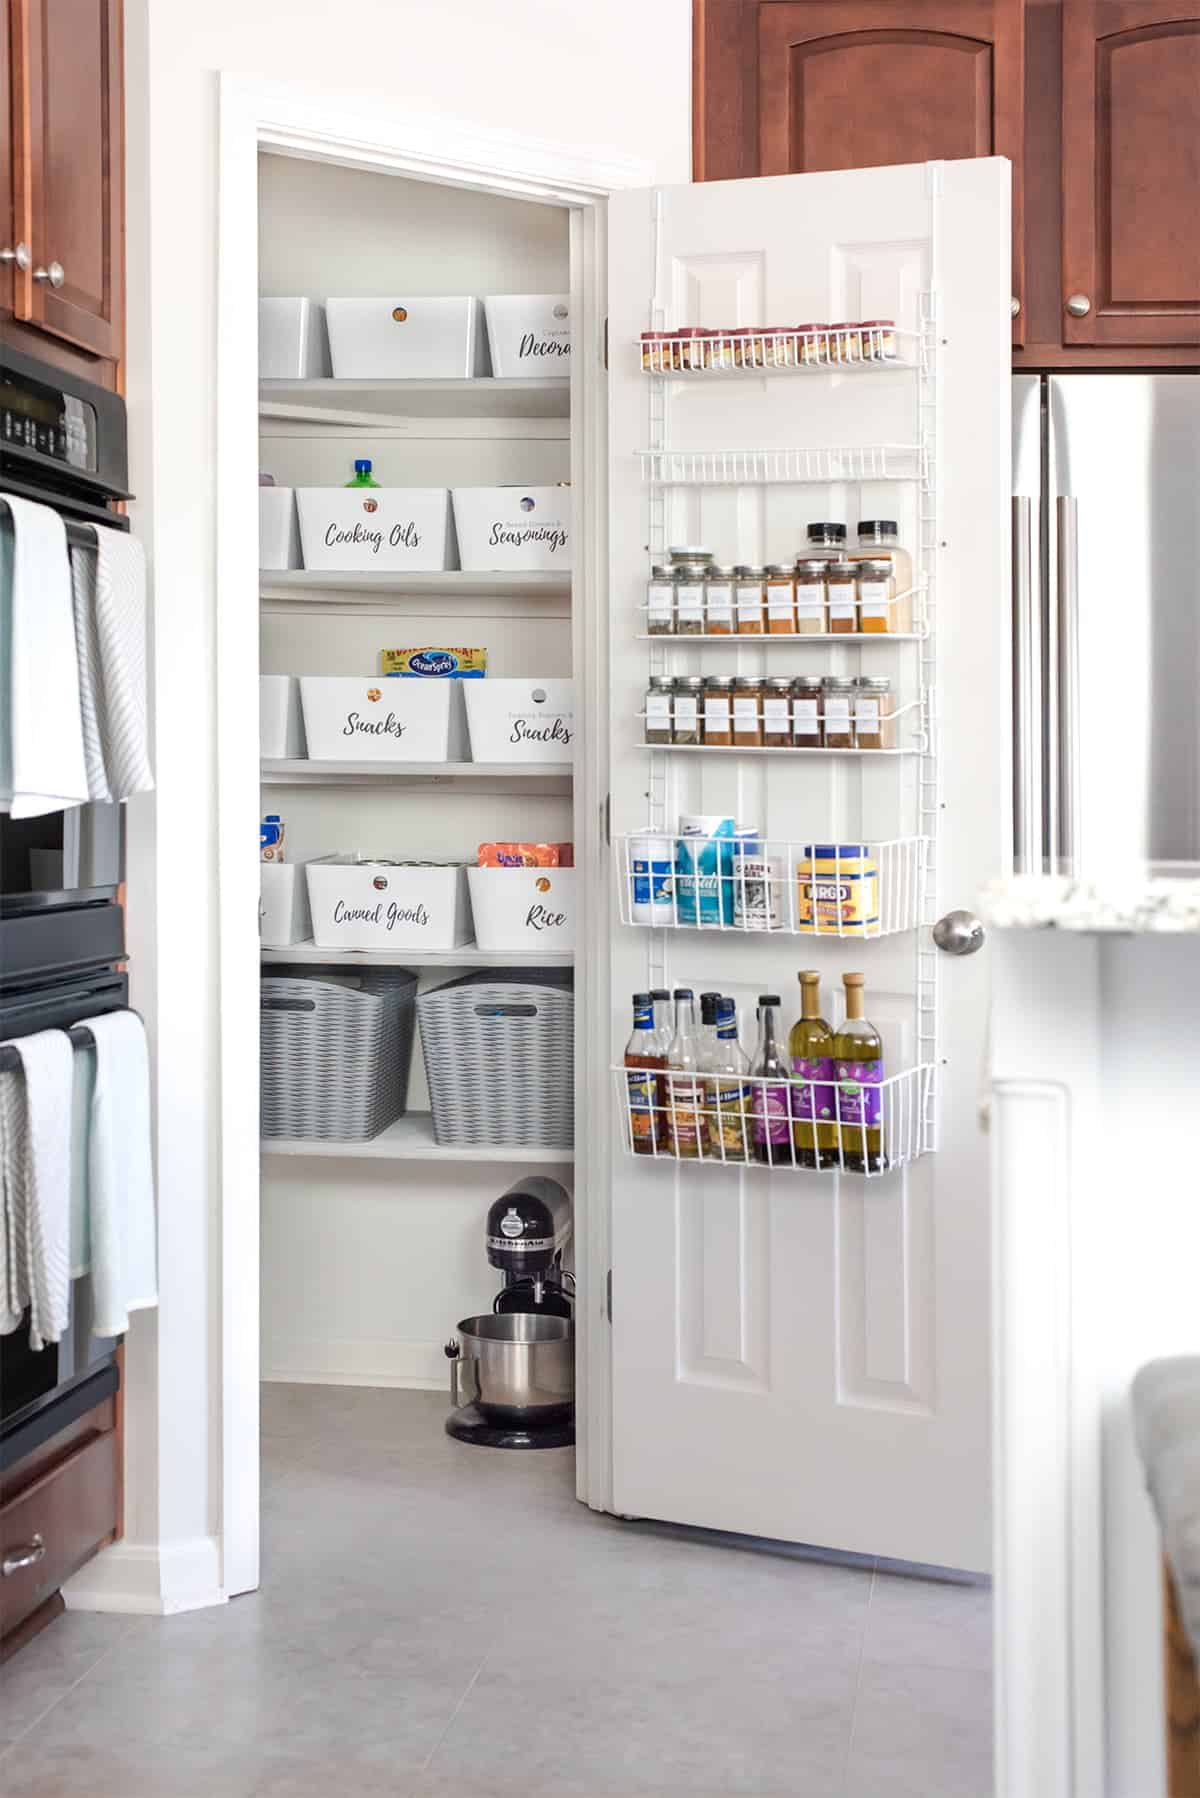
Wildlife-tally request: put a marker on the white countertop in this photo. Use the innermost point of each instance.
(1140, 901)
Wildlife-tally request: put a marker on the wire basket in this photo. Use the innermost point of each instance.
(500, 1058)
(336, 1054)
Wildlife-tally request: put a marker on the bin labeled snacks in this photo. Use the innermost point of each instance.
(360, 903)
(397, 337)
(506, 528)
(529, 333)
(376, 528)
(523, 908)
(521, 720)
(347, 718)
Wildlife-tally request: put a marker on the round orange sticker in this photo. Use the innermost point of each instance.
(542, 885)
(399, 314)
(373, 694)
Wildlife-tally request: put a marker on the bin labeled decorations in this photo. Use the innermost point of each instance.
(529, 333)
(525, 720)
(507, 528)
(280, 720)
(278, 528)
(398, 337)
(374, 719)
(365, 529)
(292, 345)
(365, 902)
(523, 908)
(283, 915)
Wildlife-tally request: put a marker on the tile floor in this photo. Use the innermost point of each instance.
(438, 1621)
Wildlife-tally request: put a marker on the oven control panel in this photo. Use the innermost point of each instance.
(39, 417)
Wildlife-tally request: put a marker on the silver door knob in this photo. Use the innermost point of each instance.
(20, 255)
(959, 933)
(1078, 305)
(56, 274)
(1014, 305)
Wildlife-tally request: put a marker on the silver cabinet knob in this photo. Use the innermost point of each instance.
(1014, 305)
(20, 255)
(17, 1559)
(959, 933)
(56, 274)
(1078, 305)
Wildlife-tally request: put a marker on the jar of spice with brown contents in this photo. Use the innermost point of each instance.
(841, 585)
(689, 598)
(747, 711)
(837, 712)
(658, 709)
(806, 711)
(873, 724)
(748, 599)
(811, 618)
(718, 601)
(718, 711)
(777, 712)
(689, 690)
(780, 590)
(660, 600)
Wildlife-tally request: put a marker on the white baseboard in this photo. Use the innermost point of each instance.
(325, 1361)
(139, 1579)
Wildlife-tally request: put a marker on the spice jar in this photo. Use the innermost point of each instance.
(825, 538)
(689, 599)
(658, 709)
(879, 339)
(742, 346)
(660, 600)
(808, 342)
(780, 346)
(720, 350)
(876, 591)
(837, 712)
(821, 336)
(693, 347)
(777, 712)
(655, 352)
(747, 711)
(806, 711)
(718, 710)
(748, 599)
(780, 593)
(847, 341)
(718, 600)
(811, 620)
(688, 552)
(879, 541)
(841, 586)
(873, 726)
(688, 693)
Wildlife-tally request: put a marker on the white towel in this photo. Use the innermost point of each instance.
(121, 1175)
(48, 768)
(109, 597)
(35, 1164)
(12, 1200)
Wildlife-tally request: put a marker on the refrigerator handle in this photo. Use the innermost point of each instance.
(1067, 684)
(1026, 740)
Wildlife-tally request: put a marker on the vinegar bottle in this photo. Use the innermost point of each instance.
(810, 1046)
(858, 1066)
(685, 1089)
(644, 1053)
(772, 1105)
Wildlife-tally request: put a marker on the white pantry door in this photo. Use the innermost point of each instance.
(805, 1356)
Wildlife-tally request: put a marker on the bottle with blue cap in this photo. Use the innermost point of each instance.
(362, 473)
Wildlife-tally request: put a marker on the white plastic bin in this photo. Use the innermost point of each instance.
(376, 528)
(280, 719)
(292, 345)
(397, 337)
(529, 333)
(283, 916)
(278, 529)
(382, 720)
(526, 720)
(361, 904)
(513, 528)
(523, 908)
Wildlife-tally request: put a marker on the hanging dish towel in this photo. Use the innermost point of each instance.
(43, 757)
(120, 1175)
(35, 1165)
(109, 597)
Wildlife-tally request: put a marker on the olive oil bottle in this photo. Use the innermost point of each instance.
(858, 1067)
(810, 1046)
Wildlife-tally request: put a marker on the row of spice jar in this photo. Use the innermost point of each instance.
(751, 711)
(825, 591)
(695, 347)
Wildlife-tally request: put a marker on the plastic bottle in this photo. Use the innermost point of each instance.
(643, 1053)
(685, 1088)
(362, 473)
(772, 1091)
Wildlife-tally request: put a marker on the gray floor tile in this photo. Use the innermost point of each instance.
(934, 1624)
(51, 1664)
(921, 1732)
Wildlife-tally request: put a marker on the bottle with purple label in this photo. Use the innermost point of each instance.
(810, 1046)
(772, 1089)
(858, 1065)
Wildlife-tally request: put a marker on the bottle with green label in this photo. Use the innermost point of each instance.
(858, 1067)
(362, 473)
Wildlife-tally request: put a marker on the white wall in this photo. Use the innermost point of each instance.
(616, 78)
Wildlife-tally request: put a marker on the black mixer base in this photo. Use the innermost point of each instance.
(467, 1425)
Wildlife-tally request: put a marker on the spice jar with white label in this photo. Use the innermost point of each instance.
(689, 693)
(689, 599)
(847, 343)
(747, 711)
(876, 592)
(658, 709)
(825, 538)
(879, 541)
(656, 355)
(841, 586)
(718, 711)
(660, 600)
(718, 600)
(873, 724)
(837, 712)
(748, 599)
(777, 712)
(806, 711)
(811, 619)
(780, 593)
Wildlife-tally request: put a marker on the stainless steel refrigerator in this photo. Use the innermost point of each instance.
(1106, 623)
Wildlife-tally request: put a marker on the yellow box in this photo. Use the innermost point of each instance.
(837, 890)
(464, 664)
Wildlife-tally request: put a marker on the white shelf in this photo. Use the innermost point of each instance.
(411, 1139)
(470, 955)
(322, 586)
(753, 467)
(782, 640)
(353, 402)
(316, 773)
(759, 749)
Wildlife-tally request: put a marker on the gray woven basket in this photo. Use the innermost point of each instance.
(336, 1053)
(500, 1058)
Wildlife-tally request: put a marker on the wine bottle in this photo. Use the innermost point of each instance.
(728, 1089)
(643, 1052)
(772, 1101)
(858, 1067)
(810, 1046)
(685, 1089)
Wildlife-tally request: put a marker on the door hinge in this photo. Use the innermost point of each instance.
(606, 342)
(608, 1295)
(606, 820)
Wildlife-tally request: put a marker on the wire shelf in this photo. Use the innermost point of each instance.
(751, 467)
(905, 608)
(861, 1127)
(767, 887)
(869, 348)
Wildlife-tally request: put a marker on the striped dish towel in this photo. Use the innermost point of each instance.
(108, 587)
(35, 1166)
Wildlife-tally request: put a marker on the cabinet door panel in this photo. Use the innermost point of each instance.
(8, 158)
(1131, 172)
(76, 140)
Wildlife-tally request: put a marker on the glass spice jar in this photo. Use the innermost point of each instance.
(748, 599)
(780, 346)
(808, 342)
(806, 711)
(658, 709)
(688, 552)
(720, 350)
(718, 711)
(688, 692)
(656, 355)
(780, 596)
(660, 600)
(718, 600)
(876, 591)
(825, 538)
(693, 345)
(747, 711)
(879, 541)
(847, 339)
(821, 336)
(689, 599)
(841, 586)
(811, 620)
(879, 339)
(837, 712)
(873, 726)
(777, 712)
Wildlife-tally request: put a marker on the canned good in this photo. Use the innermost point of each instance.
(837, 889)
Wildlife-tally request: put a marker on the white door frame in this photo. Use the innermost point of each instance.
(253, 116)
